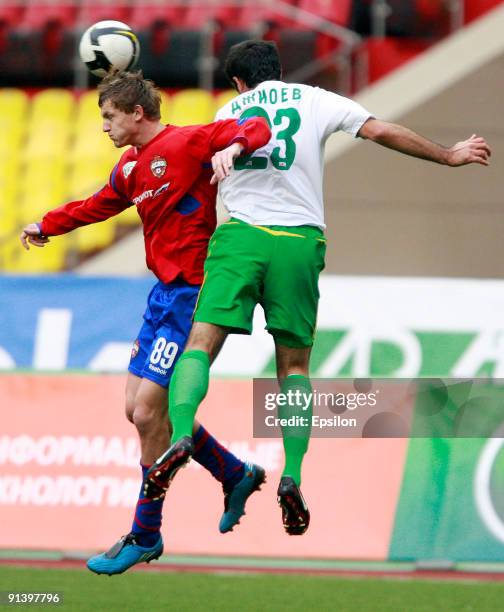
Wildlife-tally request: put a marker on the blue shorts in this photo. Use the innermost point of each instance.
(163, 336)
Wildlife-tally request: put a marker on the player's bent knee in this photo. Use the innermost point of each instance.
(129, 414)
(129, 408)
(148, 419)
(145, 422)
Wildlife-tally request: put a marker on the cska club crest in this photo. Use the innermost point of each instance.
(135, 349)
(158, 166)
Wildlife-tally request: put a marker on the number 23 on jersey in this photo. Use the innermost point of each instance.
(279, 161)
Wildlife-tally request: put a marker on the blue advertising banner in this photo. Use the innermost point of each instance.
(70, 322)
(416, 327)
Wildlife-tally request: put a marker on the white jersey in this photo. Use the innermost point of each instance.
(281, 183)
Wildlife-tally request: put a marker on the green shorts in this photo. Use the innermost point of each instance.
(275, 266)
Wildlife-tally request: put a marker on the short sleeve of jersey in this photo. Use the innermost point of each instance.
(334, 113)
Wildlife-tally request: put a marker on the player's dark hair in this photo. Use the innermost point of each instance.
(253, 61)
(128, 89)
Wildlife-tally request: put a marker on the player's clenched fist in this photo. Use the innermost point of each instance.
(31, 234)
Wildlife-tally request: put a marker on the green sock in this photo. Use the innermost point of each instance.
(296, 436)
(188, 388)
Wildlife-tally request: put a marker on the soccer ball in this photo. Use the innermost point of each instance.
(109, 44)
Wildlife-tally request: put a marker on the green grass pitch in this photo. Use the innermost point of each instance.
(151, 591)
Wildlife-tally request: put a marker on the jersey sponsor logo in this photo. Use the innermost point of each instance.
(161, 189)
(157, 369)
(150, 193)
(143, 196)
(135, 348)
(127, 168)
(158, 166)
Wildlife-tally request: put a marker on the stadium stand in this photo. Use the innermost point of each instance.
(387, 54)
(337, 11)
(13, 110)
(170, 57)
(10, 14)
(476, 8)
(102, 10)
(191, 106)
(39, 15)
(223, 98)
(145, 15)
(184, 41)
(52, 149)
(198, 15)
(49, 125)
(48, 260)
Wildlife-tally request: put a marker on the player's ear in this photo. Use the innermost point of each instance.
(240, 85)
(138, 112)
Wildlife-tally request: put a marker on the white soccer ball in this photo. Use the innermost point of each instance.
(109, 44)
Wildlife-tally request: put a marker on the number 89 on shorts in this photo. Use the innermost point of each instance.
(163, 353)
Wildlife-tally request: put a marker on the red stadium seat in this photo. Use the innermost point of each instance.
(297, 47)
(102, 10)
(39, 14)
(337, 11)
(143, 16)
(44, 42)
(250, 16)
(325, 45)
(170, 57)
(387, 54)
(11, 14)
(432, 18)
(198, 15)
(430, 10)
(263, 12)
(476, 8)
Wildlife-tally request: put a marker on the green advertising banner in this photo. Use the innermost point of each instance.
(451, 506)
(390, 327)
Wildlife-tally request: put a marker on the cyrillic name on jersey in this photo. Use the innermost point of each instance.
(279, 95)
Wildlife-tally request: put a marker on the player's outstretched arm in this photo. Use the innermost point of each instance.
(32, 234)
(474, 150)
(223, 141)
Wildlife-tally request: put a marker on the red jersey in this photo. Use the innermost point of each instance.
(168, 179)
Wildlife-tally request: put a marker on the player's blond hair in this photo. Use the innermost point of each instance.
(128, 89)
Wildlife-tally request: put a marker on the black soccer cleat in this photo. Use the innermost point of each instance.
(295, 513)
(158, 478)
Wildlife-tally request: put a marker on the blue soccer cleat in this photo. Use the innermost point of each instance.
(123, 555)
(236, 498)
